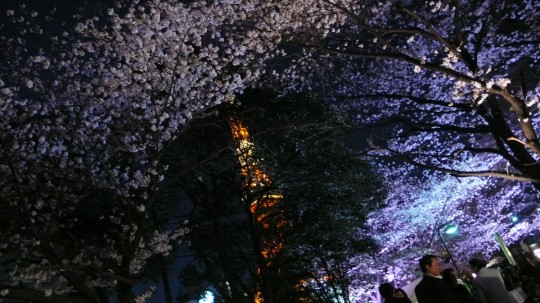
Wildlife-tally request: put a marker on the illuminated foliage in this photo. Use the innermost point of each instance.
(89, 104)
(449, 87)
(90, 97)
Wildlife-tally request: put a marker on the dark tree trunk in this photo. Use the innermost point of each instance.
(516, 152)
(166, 283)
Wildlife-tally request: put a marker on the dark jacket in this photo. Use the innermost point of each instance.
(462, 294)
(433, 290)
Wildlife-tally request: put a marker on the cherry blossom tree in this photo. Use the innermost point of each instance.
(451, 87)
(89, 100)
(455, 80)
(88, 105)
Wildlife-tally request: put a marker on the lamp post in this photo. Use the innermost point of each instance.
(449, 229)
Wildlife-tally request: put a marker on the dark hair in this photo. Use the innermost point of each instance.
(425, 261)
(386, 290)
(477, 263)
(401, 289)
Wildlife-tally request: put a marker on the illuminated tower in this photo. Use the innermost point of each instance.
(267, 220)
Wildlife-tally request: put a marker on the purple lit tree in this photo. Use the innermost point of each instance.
(456, 81)
(87, 108)
(447, 87)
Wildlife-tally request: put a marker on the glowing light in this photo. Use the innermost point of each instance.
(514, 219)
(536, 253)
(258, 298)
(451, 229)
(256, 181)
(207, 298)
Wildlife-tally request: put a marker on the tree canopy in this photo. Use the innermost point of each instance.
(92, 96)
(448, 87)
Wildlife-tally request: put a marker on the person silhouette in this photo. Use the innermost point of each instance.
(488, 284)
(386, 290)
(432, 289)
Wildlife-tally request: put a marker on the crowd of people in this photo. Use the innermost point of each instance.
(479, 285)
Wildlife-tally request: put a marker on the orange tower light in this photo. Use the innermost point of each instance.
(263, 207)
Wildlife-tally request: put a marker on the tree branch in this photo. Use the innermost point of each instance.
(31, 295)
(462, 173)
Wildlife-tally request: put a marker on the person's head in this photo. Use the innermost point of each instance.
(449, 276)
(386, 290)
(400, 294)
(476, 264)
(429, 264)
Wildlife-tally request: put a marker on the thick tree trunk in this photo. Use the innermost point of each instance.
(521, 158)
(124, 293)
(166, 283)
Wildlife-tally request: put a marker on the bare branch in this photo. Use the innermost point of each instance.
(462, 173)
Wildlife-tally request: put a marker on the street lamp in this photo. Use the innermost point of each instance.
(449, 229)
(514, 219)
